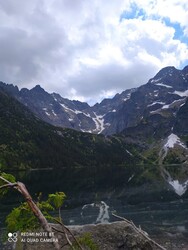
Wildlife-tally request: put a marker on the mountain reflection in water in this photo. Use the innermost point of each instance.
(89, 201)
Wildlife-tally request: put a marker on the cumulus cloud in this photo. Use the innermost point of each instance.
(90, 50)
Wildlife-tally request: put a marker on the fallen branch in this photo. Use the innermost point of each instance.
(34, 208)
(65, 230)
(5, 180)
(20, 187)
(139, 230)
(8, 185)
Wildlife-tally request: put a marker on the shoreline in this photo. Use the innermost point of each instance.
(110, 236)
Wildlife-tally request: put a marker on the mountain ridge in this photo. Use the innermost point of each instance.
(149, 127)
(168, 87)
(27, 142)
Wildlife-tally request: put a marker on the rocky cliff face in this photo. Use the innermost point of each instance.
(162, 96)
(181, 122)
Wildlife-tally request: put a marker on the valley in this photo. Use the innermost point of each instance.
(128, 153)
(138, 127)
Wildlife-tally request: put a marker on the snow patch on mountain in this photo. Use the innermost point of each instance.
(75, 111)
(66, 108)
(156, 80)
(165, 106)
(86, 131)
(156, 93)
(46, 111)
(48, 114)
(163, 85)
(54, 97)
(54, 113)
(172, 140)
(150, 105)
(99, 122)
(175, 104)
(178, 102)
(181, 93)
(86, 114)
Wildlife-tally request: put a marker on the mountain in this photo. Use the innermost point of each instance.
(162, 107)
(87, 161)
(181, 122)
(62, 112)
(27, 142)
(143, 133)
(155, 117)
(162, 95)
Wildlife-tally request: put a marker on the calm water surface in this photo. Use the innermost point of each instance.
(89, 201)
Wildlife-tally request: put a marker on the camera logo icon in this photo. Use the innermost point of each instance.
(12, 237)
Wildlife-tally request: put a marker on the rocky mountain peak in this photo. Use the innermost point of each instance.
(38, 88)
(167, 71)
(171, 78)
(162, 96)
(9, 88)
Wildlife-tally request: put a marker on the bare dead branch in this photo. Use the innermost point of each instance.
(38, 214)
(68, 240)
(36, 211)
(65, 230)
(58, 231)
(5, 180)
(64, 245)
(8, 185)
(139, 230)
(19, 186)
(34, 208)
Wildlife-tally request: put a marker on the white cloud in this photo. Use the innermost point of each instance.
(175, 10)
(88, 49)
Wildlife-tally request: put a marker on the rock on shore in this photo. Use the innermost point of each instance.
(112, 236)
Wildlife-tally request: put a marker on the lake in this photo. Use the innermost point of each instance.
(93, 200)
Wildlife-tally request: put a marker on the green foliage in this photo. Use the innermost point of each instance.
(56, 199)
(86, 241)
(7, 177)
(27, 142)
(21, 218)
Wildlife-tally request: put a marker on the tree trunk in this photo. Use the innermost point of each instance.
(36, 211)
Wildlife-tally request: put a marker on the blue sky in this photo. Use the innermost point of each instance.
(138, 13)
(89, 50)
(133, 12)
(179, 34)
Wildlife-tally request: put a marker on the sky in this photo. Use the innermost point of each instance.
(90, 50)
